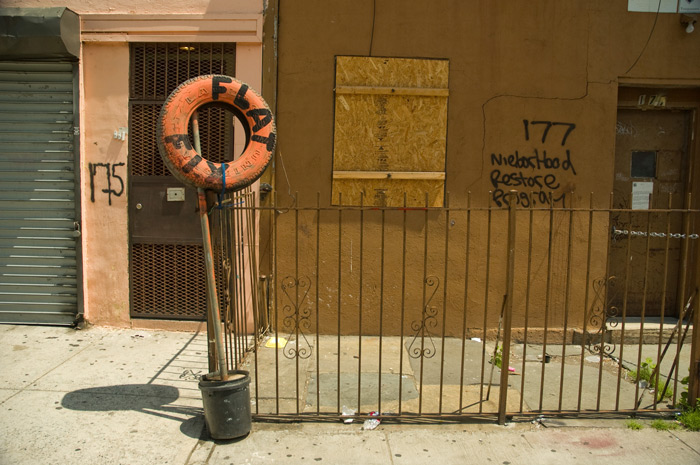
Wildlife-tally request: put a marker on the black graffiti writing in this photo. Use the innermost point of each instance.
(534, 174)
(537, 181)
(111, 173)
(529, 199)
(537, 161)
(216, 89)
(547, 126)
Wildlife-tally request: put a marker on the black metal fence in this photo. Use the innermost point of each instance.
(460, 311)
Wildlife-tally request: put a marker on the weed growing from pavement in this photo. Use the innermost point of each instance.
(634, 424)
(498, 358)
(647, 372)
(661, 425)
(690, 418)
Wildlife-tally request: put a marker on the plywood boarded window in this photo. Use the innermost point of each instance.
(390, 131)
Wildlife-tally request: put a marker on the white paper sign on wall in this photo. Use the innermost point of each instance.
(652, 6)
(689, 6)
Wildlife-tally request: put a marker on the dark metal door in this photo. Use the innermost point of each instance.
(651, 156)
(167, 263)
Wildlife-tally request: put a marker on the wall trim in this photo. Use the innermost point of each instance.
(169, 28)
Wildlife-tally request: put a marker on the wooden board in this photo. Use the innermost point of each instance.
(389, 193)
(390, 116)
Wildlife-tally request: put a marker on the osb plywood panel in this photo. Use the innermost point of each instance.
(388, 193)
(391, 72)
(379, 131)
(390, 133)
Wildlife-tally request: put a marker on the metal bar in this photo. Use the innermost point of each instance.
(567, 301)
(687, 311)
(228, 254)
(238, 265)
(237, 286)
(214, 315)
(296, 302)
(257, 330)
(210, 324)
(433, 418)
(682, 291)
(667, 246)
(403, 301)
(528, 287)
(275, 212)
(359, 332)
(444, 296)
(423, 309)
(381, 311)
(586, 301)
(628, 259)
(548, 295)
(508, 316)
(318, 308)
(249, 270)
(694, 369)
(253, 254)
(340, 278)
(211, 285)
(645, 287)
(674, 365)
(486, 303)
(495, 345)
(465, 305)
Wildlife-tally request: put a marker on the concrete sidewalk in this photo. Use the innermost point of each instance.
(107, 396)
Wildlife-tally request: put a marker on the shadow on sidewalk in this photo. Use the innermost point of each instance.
(151, 399)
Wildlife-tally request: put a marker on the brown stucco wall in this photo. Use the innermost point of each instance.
(510, 62)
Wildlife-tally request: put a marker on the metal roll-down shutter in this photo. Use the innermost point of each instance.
(39, 224)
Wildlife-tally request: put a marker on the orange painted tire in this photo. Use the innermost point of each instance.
(176, 147)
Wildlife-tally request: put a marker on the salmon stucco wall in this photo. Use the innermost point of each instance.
(165, 7)
(105, 83)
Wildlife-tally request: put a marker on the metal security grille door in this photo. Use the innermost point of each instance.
(39, 223)
(167, 262)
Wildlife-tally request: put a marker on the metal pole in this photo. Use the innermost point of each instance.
(213, 307)
(508, 314)
(213, 301)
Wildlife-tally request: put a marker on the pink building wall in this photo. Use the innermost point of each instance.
(107, 28)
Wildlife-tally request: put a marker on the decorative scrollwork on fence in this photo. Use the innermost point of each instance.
(603, 317)
(296, 318)
(421, 328)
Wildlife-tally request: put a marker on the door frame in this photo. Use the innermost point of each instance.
(687, 98)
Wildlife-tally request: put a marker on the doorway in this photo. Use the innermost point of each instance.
(648, 241)
(166, 256)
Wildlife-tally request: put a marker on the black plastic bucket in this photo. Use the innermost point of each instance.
(227, 405)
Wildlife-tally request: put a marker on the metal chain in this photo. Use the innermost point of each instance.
(625, 232)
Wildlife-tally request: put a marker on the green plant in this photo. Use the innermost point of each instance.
(498, 357)
(690, 416)
(634, 424)
(647, 372)
(684, 403)
(691, 419)
(667, 394)
(661, 425)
